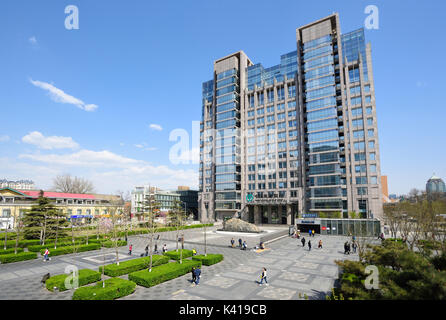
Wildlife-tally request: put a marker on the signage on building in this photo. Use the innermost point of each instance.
(309, 215)
(249, 197)
(308, 221)
(324, 228)
(80, 216)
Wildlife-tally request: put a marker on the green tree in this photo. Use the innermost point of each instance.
(40, 221)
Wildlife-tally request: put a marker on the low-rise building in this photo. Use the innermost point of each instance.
(82, 208)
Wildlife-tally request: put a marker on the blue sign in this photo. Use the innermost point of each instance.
(305, 221)
(309, 215)
(80, 216)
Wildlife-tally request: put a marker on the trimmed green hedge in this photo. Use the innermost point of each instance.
(125, 267)
(163, 273)
(12, 250)
(86, 276)
(70, 249)
(22, 256)
(174, 255)
(114, 288)
(111, 244)
(209, 259)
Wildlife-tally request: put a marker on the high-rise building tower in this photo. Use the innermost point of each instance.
(299, 137)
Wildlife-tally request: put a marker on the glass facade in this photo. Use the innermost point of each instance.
(319, 59)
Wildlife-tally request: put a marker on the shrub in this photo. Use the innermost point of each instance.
(22, 256)
(72, 249)
(163, 273)
(114, 288)
(12, 250)
(111, 244)
(209, 259)
(175, 255)
(86, 276)
(125, 267)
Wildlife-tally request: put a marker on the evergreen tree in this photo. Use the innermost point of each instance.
(42, 220)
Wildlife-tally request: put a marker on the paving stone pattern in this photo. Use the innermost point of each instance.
(293, 270)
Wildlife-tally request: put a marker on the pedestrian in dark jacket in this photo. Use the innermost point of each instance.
(240, 242)
(303, 241)
(193, 274)
(197, 273)
(309, 245)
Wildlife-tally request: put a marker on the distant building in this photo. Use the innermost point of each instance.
(385, 189)
(166, 199)
(79, 207)
(17, 185)
(435, 185)
(189, 200)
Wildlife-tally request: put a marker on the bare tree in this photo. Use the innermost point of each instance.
(150, 208)
(65, 183)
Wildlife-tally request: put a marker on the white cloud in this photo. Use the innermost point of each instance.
(33, 40)
(84, 158)
(144, 146)
(155, 126)
(59, 96)
(53, 142)
(4, 138)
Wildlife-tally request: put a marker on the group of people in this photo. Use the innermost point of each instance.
(242, 244)
(349, 246)
(309, 243)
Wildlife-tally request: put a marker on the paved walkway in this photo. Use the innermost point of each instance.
(293, 271)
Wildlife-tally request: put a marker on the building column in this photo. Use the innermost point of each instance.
(269, 214)
(289, 214)
(257, 215)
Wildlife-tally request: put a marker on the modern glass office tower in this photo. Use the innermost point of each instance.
(293, 139)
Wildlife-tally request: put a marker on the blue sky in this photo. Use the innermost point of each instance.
(136, 63)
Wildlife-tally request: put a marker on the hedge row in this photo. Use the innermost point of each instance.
(175, 255)
(72, 249)
(209, 259)
(85, 276)
(111, 244)
(22, 256)
(163, 273)
(12, 250)
(113, 270)
(114, 288)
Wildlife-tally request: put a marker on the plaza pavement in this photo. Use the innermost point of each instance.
(293, 271)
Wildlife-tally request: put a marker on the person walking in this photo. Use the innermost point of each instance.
(309, 233)
(147, 250)
(303, 241)
(232, 242)
(194, 252)
(309, 245)
(348, 248)
(345, 247)
(197, 273)
(298, 234)
(45, 255)
(312, 232)
(354, 246)
(320, 244)
(193, 275)
(130, 249)
(245, 245)
(263, 277)
(164, 248)
(156, 248)
(240, 242)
